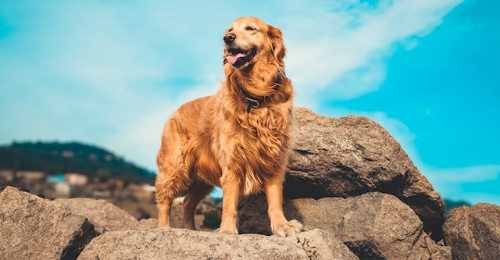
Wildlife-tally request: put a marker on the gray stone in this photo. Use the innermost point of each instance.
(473, 232)
(352, 155)
(319, 244)
(102, 214)
(36, 228)
(373, 225)
(186, 244)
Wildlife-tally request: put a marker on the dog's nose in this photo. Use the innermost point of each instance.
(229, 38)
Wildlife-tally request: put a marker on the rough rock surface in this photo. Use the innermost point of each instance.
(473, 232)
(148, 223)
(373, 225)
(353, 155)
(36, 228)
(186, 244)
(102, 214)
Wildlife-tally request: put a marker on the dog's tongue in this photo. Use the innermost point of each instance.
(232, 58)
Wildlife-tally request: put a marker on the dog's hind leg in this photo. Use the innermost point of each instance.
(170, 182)
(166, 192)
(196, 192)
(164, 199)
(174, 166)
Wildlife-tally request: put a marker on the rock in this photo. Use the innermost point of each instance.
(473, 232)
(102, 214)
(353, 155)
(319, 244)
(373, 225)
(187, 244)
(36, 228)
(148, 223)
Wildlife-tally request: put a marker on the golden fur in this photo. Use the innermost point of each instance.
(227, 140)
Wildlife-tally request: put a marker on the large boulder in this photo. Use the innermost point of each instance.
(36, 228)
(187, 244)
(102, 214)
(473, 232)
(373, 225)
(353, 155)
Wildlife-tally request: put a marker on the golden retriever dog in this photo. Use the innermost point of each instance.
(238, 139)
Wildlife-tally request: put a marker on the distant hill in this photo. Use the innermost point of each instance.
(60, 157)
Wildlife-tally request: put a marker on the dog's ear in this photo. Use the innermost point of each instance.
(277, 46)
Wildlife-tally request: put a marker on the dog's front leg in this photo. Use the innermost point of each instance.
(230, 191)
(279, 225)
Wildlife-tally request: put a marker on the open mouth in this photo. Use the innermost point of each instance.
(238, 57)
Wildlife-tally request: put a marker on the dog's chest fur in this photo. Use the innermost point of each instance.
(258, 145)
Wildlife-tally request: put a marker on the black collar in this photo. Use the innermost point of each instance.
(253, 102)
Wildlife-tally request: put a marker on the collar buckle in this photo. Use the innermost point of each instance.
(253, 103)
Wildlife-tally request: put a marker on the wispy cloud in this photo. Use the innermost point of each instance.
(343, 46)
(87, 70)
(455, 182)
(476, 173)
(141, 138)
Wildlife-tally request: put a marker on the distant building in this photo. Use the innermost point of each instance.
(62, 190)
(68, 154)
(148, 187)
(7, 175)
(30, 176)
(76, 179)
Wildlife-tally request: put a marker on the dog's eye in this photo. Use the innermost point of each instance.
(230, 30)
(250, 28)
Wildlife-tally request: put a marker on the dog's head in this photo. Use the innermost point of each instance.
(249, 39)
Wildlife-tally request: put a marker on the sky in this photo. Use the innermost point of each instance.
(110, 73)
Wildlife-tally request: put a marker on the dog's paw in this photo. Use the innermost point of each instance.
(228, 231)
(287, 229)
(164, 225)
(167, 227)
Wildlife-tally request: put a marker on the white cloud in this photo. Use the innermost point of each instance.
(337, 45)
(81, 71)
(478, 173)
(140, 139)
(451, 182)
(478, 197)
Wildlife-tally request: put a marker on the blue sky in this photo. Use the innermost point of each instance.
(111, 72)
